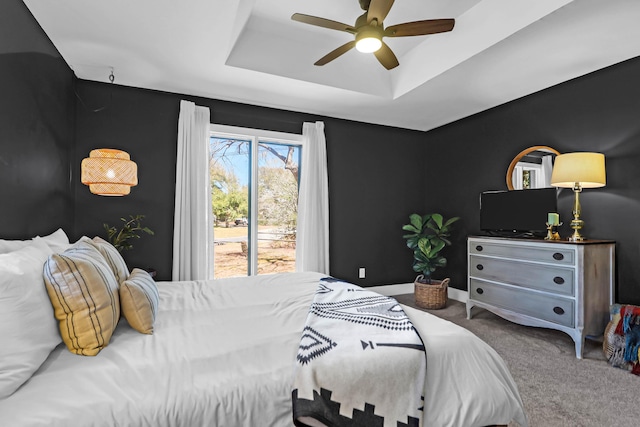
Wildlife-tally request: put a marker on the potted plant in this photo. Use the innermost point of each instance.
(427, 236)
(121, 238)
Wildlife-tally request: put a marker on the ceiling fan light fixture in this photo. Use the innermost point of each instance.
(368, 45)
(369, 30)
(368, 40)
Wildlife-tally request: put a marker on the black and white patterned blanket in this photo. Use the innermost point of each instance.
(360, 361)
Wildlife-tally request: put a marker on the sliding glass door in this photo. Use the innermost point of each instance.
(254, 177)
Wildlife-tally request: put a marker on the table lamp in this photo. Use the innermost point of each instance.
(578, 171)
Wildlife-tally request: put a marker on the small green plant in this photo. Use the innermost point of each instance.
(120, 237)
(428, 235)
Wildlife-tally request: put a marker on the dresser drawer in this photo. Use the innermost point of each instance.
(550, 278)
(541, 306)
(554, 255)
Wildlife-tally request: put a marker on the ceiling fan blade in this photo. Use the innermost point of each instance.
(322, 22)
(386, 57)
(379, 9)
(420, 28)
(336, 53)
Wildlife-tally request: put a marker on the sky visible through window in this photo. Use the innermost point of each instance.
(238, 160)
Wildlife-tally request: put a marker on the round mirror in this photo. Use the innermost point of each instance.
(531, 168)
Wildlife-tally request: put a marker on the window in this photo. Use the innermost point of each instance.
(254, 180)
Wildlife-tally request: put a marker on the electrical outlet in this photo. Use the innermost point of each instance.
(361, 273)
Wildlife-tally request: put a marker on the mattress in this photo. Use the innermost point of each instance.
(223, 354)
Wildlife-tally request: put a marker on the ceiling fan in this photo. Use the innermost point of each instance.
(369, 31)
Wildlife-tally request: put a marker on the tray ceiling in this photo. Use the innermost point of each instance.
(250, 51)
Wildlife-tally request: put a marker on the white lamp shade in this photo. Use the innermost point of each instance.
(585, 169)
(109, 172)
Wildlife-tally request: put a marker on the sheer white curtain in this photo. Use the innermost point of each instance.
(312, 241)
(516, 177)
(192, 229)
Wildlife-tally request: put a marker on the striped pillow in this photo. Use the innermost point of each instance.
(84, 295)
(113, 258)
(139, 301)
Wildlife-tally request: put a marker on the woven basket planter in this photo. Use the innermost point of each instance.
(432, 296)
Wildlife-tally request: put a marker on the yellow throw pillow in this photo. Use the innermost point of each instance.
(84, 294)
(139, 301)
(113, 258)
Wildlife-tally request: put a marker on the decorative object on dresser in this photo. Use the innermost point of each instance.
(578, 171)
(567, 286)
(553, 222)
(109, 172)
(428, 235)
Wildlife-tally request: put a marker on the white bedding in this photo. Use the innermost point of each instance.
(223, 353)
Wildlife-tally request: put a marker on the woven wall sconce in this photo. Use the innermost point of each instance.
(109, 172)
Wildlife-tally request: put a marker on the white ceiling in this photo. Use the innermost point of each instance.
(250, 51)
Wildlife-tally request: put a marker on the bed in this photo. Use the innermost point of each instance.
(222, 353)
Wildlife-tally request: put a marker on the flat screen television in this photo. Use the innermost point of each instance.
(517, 213)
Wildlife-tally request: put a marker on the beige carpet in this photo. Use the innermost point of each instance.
(556, 388)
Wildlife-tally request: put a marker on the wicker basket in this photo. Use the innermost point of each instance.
(432, 296)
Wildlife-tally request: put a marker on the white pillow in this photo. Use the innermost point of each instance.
(7, 246)
(27, 326)
(58, 241)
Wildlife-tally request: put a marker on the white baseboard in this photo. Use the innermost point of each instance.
(398, 289)
(457, 294)
(407, 288)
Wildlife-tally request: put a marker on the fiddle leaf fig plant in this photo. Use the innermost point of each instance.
(121, 237)
(427, 236)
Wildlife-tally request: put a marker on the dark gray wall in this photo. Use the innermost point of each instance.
(598, 112)
(36, 128)
(376, 176)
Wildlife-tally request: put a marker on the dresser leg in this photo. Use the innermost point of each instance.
(469, 305)
(579, 340)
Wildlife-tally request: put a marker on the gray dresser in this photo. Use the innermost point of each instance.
(561, 285)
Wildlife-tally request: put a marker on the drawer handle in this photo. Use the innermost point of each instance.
(558, 310)
(480, 267)
(480, 291)
(479, 248)
(558, 280)
(558, 256)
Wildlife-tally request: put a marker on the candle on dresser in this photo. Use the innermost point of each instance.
(553, 218)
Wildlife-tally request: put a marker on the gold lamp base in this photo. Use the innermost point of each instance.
(576, 223)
